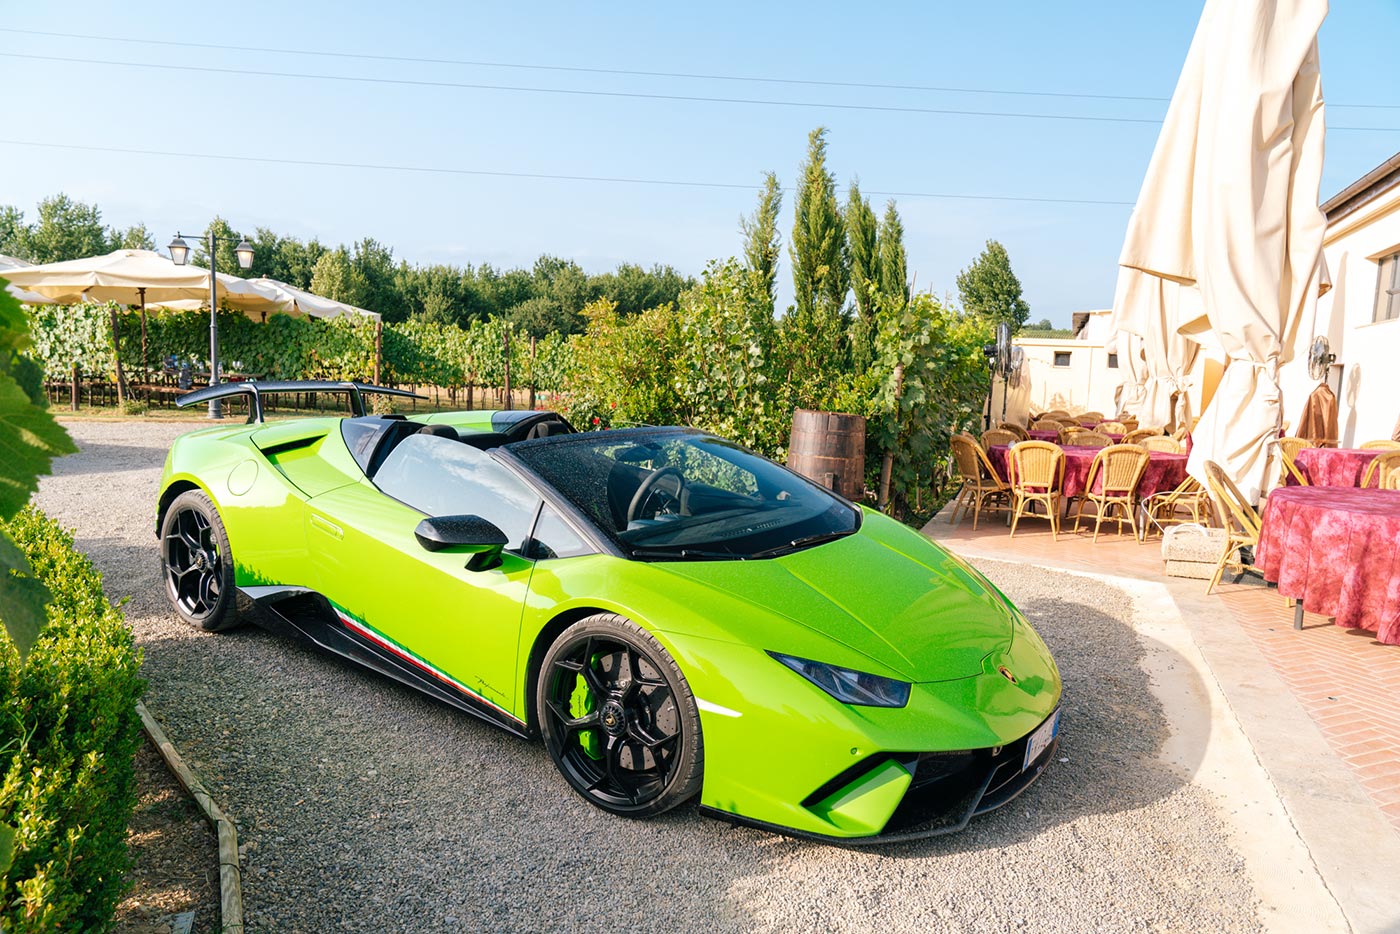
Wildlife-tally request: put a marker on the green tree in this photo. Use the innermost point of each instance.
(762, 240)
(820, 275)
(375, 263)
(336, 277)
(863, 248)
(135, 237)
(634, 289)
(66, 229)
(224, 247)
(894, 263)
(14, 232)
(988, 288)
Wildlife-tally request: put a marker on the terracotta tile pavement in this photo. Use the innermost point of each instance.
(1346, 681)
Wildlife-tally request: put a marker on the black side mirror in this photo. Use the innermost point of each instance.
(473, 535)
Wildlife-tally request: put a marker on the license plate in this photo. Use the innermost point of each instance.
(1041, 739)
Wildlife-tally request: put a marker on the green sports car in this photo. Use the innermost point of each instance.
(673, 614)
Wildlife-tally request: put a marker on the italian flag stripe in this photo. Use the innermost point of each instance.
(392, 647)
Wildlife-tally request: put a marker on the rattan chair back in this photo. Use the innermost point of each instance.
(1137, 434)
(1037, 465)
(1288, 449)
(1383, 444)
(1111, 428)
(1232, 501)
(1046, 424)
(998, 436)
(1121, 466)
(1383, 469)
(1085, 439)
(1015, 429)
(1393, 481)
(1160, 443)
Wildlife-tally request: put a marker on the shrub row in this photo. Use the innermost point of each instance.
(69, 727)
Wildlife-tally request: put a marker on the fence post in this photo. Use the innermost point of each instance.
(378, 350)
(117, 357)
(532, 372)
(74, 389)
(508, 405)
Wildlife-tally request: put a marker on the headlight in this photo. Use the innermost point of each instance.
(850, 687)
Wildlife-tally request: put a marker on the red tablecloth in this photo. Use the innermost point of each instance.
(1333, 466)
(1054, 436)
(1164, 471)
(1337, 550)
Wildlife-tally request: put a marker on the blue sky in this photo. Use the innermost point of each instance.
(1065, 254)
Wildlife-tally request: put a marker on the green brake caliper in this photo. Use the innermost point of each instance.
(581, 704)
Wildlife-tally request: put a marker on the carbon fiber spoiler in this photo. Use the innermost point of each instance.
(254, 390)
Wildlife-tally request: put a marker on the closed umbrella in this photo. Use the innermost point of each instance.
(1150, 309)
(1230, 206)
(288, 299)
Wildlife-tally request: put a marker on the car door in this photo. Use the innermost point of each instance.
(460, 626)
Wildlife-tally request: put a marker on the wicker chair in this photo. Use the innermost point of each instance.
(1085, 439)
(998, 436)
(1137, 434)
(1160, 443)
(1187, 503)
(1055, 413)
(1120, 467)
(1383, 469)
(980, 483)
(1288, 449)
(1111, 428)
(1015, 429)
(1384, 444)
(1393, 481)
(1046, 424)
(1241, 522)
(1096, 417)
(1037, 470)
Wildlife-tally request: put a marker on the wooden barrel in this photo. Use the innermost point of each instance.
(829, 448)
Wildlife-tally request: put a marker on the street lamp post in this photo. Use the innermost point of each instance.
(180, 254)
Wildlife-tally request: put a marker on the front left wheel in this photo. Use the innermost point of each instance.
(196, 563)
(618, 718)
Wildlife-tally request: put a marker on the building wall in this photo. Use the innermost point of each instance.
(1366, 376)
(1088, 383)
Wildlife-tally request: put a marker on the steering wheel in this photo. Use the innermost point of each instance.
(649, 486)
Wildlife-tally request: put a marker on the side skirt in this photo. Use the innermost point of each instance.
(309, 617)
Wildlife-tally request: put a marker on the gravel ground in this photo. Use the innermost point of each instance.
(364, 806)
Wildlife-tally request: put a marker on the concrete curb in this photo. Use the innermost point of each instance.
(230, 880)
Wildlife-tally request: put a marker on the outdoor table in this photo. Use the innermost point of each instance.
(1165, 471)
(1335, 551)
(1333, 466)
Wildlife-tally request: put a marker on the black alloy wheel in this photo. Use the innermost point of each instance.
(196, 563)
(618, 718)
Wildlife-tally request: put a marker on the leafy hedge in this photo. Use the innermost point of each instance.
(416, 352)
(68, 723)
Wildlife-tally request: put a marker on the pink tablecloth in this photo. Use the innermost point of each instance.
(1333, 466)
(1336, 550)
(1164, 471)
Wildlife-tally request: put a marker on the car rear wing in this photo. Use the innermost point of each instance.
(254, 390)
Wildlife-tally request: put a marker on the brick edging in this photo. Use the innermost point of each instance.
(230, 879)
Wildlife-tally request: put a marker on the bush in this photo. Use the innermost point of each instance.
(68, 720)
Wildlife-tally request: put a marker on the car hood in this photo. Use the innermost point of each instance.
(891, 595)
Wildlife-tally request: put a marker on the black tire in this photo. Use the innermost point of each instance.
(196, 563)
(618, 718)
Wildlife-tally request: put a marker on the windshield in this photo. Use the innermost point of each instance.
(679, 494)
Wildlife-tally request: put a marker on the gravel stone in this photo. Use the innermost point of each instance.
(365, 806)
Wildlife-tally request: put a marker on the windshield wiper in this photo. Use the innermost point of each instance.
(685, 553)
(799, 543)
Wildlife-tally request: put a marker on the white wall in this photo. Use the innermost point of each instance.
(1087, 384)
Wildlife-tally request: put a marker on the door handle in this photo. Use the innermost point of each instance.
(330, 528)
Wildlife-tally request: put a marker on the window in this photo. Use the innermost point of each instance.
(1062, 358)
(443, 477)
(1113, 361)
(1388, 289)
(554, 538)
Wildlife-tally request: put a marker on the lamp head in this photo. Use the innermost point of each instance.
(179, 251)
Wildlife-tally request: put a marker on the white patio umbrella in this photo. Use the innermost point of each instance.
(1147, 311)
(1230, 206)
(8, 263)
(291, 300)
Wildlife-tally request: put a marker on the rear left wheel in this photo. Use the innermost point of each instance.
(618, 718)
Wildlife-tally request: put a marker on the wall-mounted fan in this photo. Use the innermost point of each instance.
(1320, 357)
(1018, 363)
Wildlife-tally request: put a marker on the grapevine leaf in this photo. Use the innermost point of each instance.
(22, 599)
(29, 440)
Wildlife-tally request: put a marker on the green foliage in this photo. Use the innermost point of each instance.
(68, 719)
(762, 241)
(66, 229)
(336, 277)
(625, 369)
(820, 275)
(894, 263)
(862, 231)
(988, 288)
